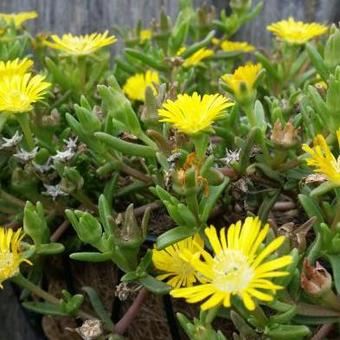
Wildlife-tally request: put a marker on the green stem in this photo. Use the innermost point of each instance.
(12, 199)
(24, 123)
(260, 316)
(250, 113)
(279, 158)
(211, 314)
(336, 219)
(143, 137)
(21, 281)
(82, 71)
(331, 300)
(290, 54)
(3, 119)
(83, 198)
(201, 142)
(7, 211)
(36, 290)
(127, 169)
(193, 205)
(261, 140)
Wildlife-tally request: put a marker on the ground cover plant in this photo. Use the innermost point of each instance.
(196, 167)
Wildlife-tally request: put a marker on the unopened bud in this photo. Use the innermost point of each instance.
(130, 232)
(71, 180)
(315, 280)
(240, 6)
(286, 136)
(332, 47)
(206, 14)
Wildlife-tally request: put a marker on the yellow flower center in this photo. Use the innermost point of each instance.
(18, 97)
(182, 267)
(79, 44)
(232, 271)
(8, 265)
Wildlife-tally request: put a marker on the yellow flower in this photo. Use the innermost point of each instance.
(19, 92)
(10, 256)
(239, 266)
(296, 32)
(243, 76)
(236, 46)
(197, 57)
(145, 35)
(173, 261)
(323, 160)
(195, 113)
(14, 67)
(216, 41)
(319, 83)
(18, 18)
(81, 44)
(136, 85)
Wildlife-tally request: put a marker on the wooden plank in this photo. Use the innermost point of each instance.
(84, 16)
(325, 11)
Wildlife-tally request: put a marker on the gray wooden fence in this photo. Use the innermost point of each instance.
(84, 16)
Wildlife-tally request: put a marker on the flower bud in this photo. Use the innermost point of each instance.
(70, 304)
(22, 181)
(88, 229)
(284, 137)
(315, 280)
(206, 14)
(35, 224)
(332, 97)
(90, 123)
(130, 234)
(119, 106)
(240, 6)
(332, 48)
(71, 180)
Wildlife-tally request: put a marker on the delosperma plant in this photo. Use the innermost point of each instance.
(238, 147)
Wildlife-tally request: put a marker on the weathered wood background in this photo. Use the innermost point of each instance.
(84, 16)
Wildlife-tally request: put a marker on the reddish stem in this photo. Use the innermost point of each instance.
(322, 332)
(123, 324)
(229, 172)
(60, 231)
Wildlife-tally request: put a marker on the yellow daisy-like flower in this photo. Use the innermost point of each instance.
(18, 18)
(216, 41)
(14, 67)
(323, 160)
(239, 266)
(195, 113)
(10, 256)
(174, 262)
(197, 57)
(296, 32)
(19, 92)
(145, 35)
(236, 46)
(136, 85)
(81, 44)
(243, 76)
